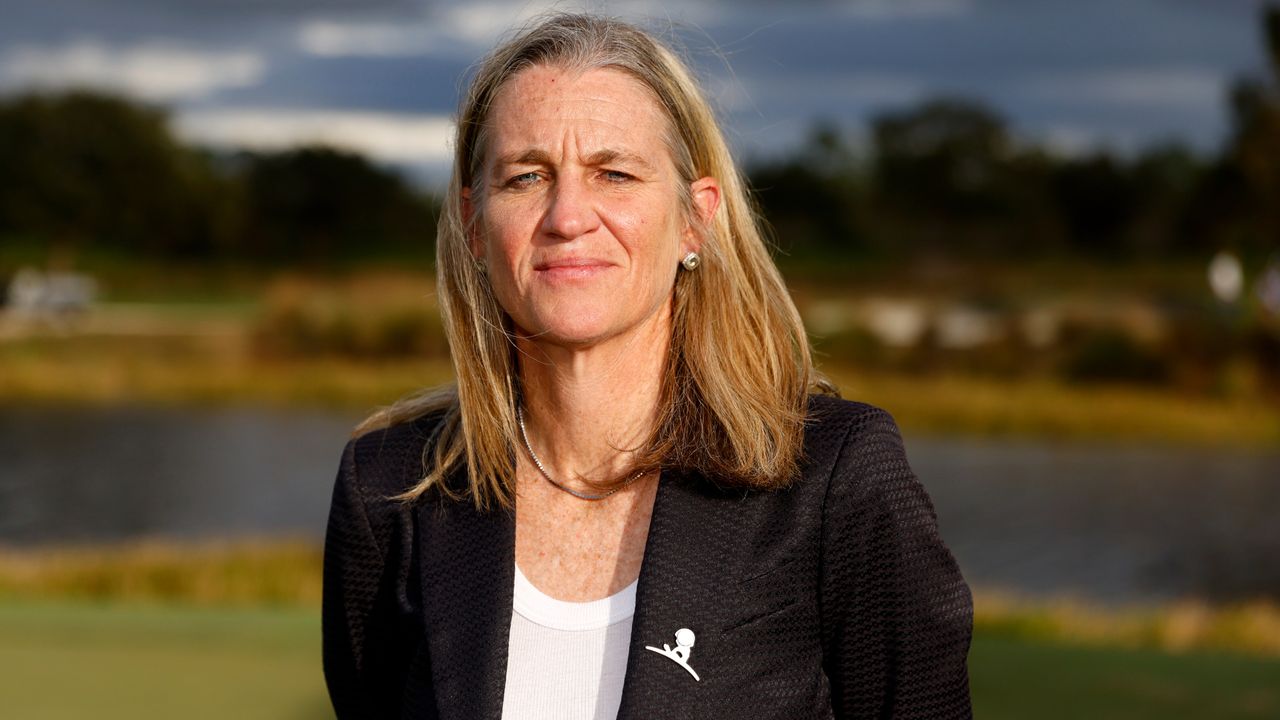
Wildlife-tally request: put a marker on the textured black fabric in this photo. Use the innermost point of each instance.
(835, 598)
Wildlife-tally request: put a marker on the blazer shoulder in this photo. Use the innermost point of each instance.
(897, 615)
(390, 460)
(834, 407)
(834, 423)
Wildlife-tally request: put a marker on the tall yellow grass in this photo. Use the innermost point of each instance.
(204, 371)
(371, 315)
(1048, 408)
(240, 572)
(1251, 627)
(363, 341)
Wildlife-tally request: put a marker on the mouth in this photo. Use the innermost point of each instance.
(571, 268)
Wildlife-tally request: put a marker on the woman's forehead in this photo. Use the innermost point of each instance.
(596, 110)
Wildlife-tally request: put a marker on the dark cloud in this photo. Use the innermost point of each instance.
(1129, 71)
(1047, 66)
(397, 84)
(193, 20)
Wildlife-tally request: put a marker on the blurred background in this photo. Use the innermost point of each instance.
(1044, 235)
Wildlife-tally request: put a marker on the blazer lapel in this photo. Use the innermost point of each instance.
(687, 567)
(468, 573)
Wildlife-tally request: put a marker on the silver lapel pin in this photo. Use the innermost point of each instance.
(680, 653)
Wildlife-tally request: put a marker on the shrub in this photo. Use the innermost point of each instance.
(1110, 355)
(369, 317)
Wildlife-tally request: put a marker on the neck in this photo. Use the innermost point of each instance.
(588, 408)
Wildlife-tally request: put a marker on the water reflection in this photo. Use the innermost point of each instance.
(1111, 523)
(82, 475)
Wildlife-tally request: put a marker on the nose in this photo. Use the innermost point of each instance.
(570, 212)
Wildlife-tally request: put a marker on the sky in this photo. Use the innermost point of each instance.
(382, 76)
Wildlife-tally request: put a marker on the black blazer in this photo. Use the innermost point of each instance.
(833, 598)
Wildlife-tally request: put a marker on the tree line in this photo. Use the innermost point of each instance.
(91, 172)
(948, 177)
(87, 171)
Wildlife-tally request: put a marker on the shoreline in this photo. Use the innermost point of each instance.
(949, 404)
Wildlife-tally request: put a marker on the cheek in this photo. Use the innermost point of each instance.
(654, 250)
(503, 234)
(652, 228)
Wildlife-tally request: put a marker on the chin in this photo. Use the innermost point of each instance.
(583, 324)
(575, 333)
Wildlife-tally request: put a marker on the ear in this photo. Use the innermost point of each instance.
(468, 216)
(705, 193)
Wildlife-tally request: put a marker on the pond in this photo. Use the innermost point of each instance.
(1104, 522)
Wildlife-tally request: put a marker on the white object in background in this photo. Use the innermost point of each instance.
(38, 294)
(896, 323)
(1226, 277)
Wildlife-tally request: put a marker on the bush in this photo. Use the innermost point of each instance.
(1111, 355)
(1263, 346)
(373, 317)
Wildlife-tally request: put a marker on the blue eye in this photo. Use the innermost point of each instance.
(616, 176)
(523, 179)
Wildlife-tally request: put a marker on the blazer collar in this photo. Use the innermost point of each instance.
(468, 579)
(468, 574)
(683, 580)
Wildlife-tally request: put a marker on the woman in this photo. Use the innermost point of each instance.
(640, 499)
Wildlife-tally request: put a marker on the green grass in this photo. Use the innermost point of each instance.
(74, 660)
(1014, 678)
(68, 660)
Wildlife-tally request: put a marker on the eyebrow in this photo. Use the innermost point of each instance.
(599, 157)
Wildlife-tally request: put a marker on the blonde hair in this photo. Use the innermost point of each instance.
(734, 392)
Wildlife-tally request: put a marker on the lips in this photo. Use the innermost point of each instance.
(570, 263)
(571, 268)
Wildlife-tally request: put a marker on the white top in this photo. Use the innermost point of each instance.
(566, 660)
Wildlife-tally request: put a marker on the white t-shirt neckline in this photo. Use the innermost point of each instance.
(536, 606)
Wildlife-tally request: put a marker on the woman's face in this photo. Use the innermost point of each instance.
(579, 219)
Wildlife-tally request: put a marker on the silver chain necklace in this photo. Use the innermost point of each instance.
(538, 463)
